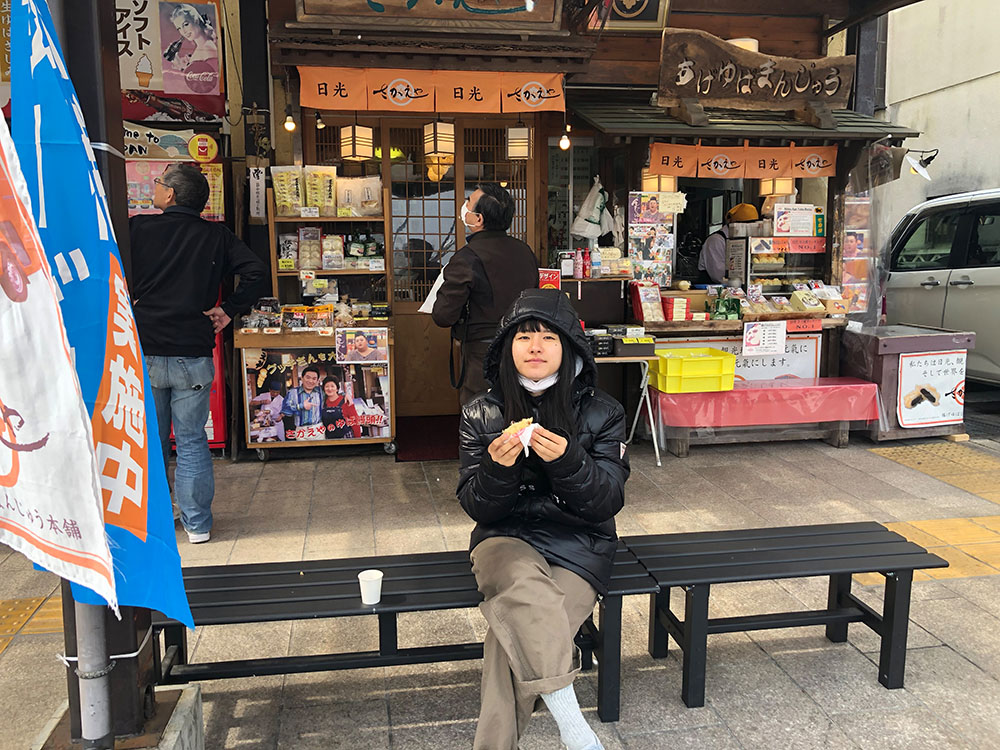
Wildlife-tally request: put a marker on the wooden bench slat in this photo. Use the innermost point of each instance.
(799, 569)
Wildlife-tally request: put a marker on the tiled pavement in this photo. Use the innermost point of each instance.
(789, 688)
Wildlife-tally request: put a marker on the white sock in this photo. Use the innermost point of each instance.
(574, 730)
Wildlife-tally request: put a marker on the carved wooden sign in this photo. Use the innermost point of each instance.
(695, 65)
(441, 14)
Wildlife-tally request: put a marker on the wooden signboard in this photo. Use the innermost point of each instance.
(698, 67)
(541, 16)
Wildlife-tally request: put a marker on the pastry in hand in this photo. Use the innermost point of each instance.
(516, 428)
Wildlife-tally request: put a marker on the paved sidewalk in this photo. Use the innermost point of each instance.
(789, 689)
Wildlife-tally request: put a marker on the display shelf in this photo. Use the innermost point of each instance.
(335, 272)
(312, 443)
(257, 340)
(567, 279)
(715, 326)
(325, 219)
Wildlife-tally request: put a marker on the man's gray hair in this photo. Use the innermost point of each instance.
(189, 184)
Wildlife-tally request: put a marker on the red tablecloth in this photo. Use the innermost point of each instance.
(763, 402)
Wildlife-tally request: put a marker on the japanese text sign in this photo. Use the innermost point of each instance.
(71, 213)
(673, 159)
(721, 162)
(405, 90)
(467, 92)
(333, 88)
(696, 65)
(931, 389)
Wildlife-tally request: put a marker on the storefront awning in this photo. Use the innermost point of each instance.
(626, 117)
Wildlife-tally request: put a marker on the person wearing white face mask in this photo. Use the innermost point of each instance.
(481, 281)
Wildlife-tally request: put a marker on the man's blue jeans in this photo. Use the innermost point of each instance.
(181, 390)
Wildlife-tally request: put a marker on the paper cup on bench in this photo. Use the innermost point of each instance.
(371, 586)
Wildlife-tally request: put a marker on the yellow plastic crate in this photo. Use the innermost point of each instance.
(692, 370)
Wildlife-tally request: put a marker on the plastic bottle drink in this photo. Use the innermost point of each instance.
(586, 264)
(578, 264)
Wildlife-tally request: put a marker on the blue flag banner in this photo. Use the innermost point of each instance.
(71, 212)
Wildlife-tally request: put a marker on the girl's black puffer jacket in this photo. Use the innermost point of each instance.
(565, 509)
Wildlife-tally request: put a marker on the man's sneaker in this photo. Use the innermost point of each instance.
(197, 537)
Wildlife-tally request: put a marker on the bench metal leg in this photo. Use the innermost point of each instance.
(838, 596)
(695, 645)
(609, 666)
(659, 604)
(895, 619)
(176, 635)
(387, 638)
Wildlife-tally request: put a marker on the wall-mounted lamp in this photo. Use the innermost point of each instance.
(919, 166)
(658, 183)
(357, 142)
(518, 142)
(439, 139)
(778, 186)
(319, 122)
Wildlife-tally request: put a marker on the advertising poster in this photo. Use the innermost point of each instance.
(794, 220)
(141, 175)
(169, 59)
(190, 48)
(651, 237)
(763, 337)
(931, 389)
(362, 345)
(305, 395)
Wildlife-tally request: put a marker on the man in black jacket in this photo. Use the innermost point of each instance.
(482, 280)
(178, 263)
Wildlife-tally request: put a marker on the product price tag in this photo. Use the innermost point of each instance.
(309, 212)
(630, 340)
(271, 330)
(286, 264)
(376, 264)
(320, 284)
(307, 275)
(326, 331)
(344, 213)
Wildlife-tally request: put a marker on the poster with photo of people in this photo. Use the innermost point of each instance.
(362, 345)
(858, 272)
(651, 237)
(306, 395)
(191, 48)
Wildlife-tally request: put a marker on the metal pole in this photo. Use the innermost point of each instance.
(94, 670)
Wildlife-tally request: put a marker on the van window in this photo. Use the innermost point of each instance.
(929, 245)
(984, 242)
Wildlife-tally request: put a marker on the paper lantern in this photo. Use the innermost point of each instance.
(439, 139)
(518, 143)
(658, 183)
(356, 143)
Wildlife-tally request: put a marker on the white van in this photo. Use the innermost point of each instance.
(944, 272)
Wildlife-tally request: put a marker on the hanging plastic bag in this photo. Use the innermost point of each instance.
(589, 220)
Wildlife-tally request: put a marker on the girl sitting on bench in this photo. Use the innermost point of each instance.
(545, 535)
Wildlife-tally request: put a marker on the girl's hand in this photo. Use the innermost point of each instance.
(548, 445)
(505, 449)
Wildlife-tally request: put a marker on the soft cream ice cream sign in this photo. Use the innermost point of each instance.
(139, 57)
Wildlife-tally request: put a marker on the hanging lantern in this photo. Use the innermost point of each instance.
(777, 186)
(439, 139)
(658, 183)
(518, 143)
(356, 142)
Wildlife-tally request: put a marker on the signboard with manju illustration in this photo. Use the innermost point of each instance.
(931, 389)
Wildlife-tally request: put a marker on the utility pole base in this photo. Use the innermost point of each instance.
(178, 725)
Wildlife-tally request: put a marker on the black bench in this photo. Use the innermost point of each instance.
(268, 592)
(696, 561)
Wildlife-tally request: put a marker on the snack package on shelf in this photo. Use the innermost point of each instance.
(355, 247)
(317, 287)
(333, 252)
(380, 310)
(804, 300)
(646, 305)
(676, 308)
(293, 317)
(288, 252)
(342, 314)
(310, 248)
(320, 316)
(359, 196)
(361, 310)
(321, 189)
(781, 304)
(287, 183)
